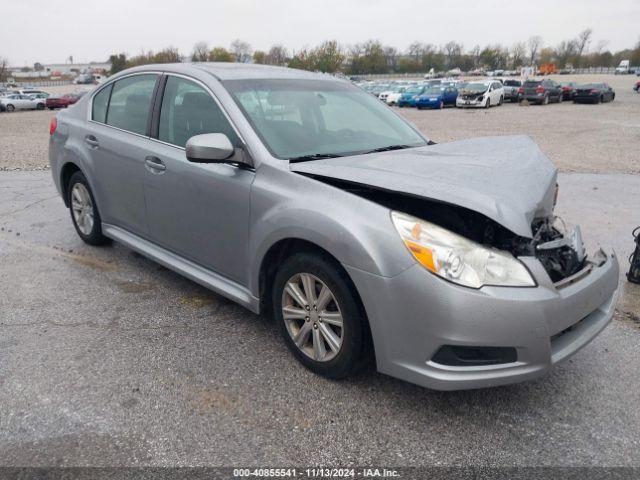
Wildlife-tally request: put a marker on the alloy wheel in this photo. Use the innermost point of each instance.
(82, 208)
(312, 317)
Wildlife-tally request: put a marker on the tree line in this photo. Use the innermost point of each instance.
(373, 56)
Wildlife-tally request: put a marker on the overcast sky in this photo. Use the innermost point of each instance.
(49, 31)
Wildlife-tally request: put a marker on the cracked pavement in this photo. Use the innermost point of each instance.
(108, 359)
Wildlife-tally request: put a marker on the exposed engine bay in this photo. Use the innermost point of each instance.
(561, 255)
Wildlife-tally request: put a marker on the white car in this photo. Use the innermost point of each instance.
(481, 94)
(17, 101)
(391, 97)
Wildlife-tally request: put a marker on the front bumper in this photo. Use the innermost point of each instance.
(415, 313)
(470, 103)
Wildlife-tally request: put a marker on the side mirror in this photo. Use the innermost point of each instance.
(209, 148)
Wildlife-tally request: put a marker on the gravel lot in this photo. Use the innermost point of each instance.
(578, 138)
(107, 359)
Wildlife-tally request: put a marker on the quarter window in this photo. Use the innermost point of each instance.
(188, 110)
(130, 103)
(100, 104)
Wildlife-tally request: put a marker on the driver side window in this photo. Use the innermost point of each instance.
(188, 110)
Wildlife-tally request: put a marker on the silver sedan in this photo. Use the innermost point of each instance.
(302, 197)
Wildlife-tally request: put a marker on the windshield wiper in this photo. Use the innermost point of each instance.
(388, 148)
(313, 156)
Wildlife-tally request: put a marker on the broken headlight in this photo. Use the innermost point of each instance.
(457, 258)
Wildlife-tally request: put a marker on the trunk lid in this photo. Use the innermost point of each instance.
(508, 179)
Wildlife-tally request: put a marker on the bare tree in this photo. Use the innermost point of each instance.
(534, 43)
(277, 55)
(518, 54)
(242, 51)
(582, 42)
(416, 49)
(4, 67)
(200, 52)
(600, 46)
(452, 52)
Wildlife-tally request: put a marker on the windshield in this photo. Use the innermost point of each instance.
(298, 118)
(475, 87)
(414, 90)
(433, 91)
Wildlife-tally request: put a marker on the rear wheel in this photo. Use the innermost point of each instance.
(84, 211)
(40, 106)
(321, 321)
(10, 108)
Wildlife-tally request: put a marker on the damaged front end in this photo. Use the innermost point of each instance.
(561, 252)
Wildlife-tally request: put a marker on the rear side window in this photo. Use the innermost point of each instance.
(130, 103)
(188, 110)
(100, 104)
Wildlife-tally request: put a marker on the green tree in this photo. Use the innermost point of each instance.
(368, 57)
(118, 62)
(327, 57)
(259, 57)
(221, 54)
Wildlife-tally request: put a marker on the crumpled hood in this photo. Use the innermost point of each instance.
(507, 179)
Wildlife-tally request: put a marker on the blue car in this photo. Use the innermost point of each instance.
(409, 97)
(437, 97)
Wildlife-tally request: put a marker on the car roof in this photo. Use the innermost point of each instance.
(237, 71)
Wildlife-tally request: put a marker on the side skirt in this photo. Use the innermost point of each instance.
(219, 284)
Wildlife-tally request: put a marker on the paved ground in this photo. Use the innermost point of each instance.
(108, 359)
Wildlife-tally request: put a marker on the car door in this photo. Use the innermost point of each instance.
(117, 142)
(22, 102)
(197, 210)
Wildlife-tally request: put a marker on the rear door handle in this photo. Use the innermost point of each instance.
(92, 141)
(154, 164)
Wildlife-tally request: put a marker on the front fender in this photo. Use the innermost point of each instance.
(357, 232)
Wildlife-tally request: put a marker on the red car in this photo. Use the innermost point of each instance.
(63, 101)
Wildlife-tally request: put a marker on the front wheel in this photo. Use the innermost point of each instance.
(10, 108)
(500, 101)
(84, 211)
(321, 321)
(488, 104)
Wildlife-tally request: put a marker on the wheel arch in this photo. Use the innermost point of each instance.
(285, 248)
(66, 172)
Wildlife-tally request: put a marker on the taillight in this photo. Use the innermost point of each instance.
(53, 125)
(539, 89)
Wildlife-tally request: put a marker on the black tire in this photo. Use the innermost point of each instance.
(355, 349)
(10, 108)
(488, 104)
(40, 106)
(95, 237)
(500, 101)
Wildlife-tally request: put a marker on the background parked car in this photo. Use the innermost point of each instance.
(21, 102)
(541, 91)
(62, 101)
(511, 88)
(594, 93)
(437, 97)
(480, 94)
(409, 97)
(568, 90)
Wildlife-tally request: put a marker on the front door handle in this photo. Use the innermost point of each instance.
(154, 164)
(91, 141)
